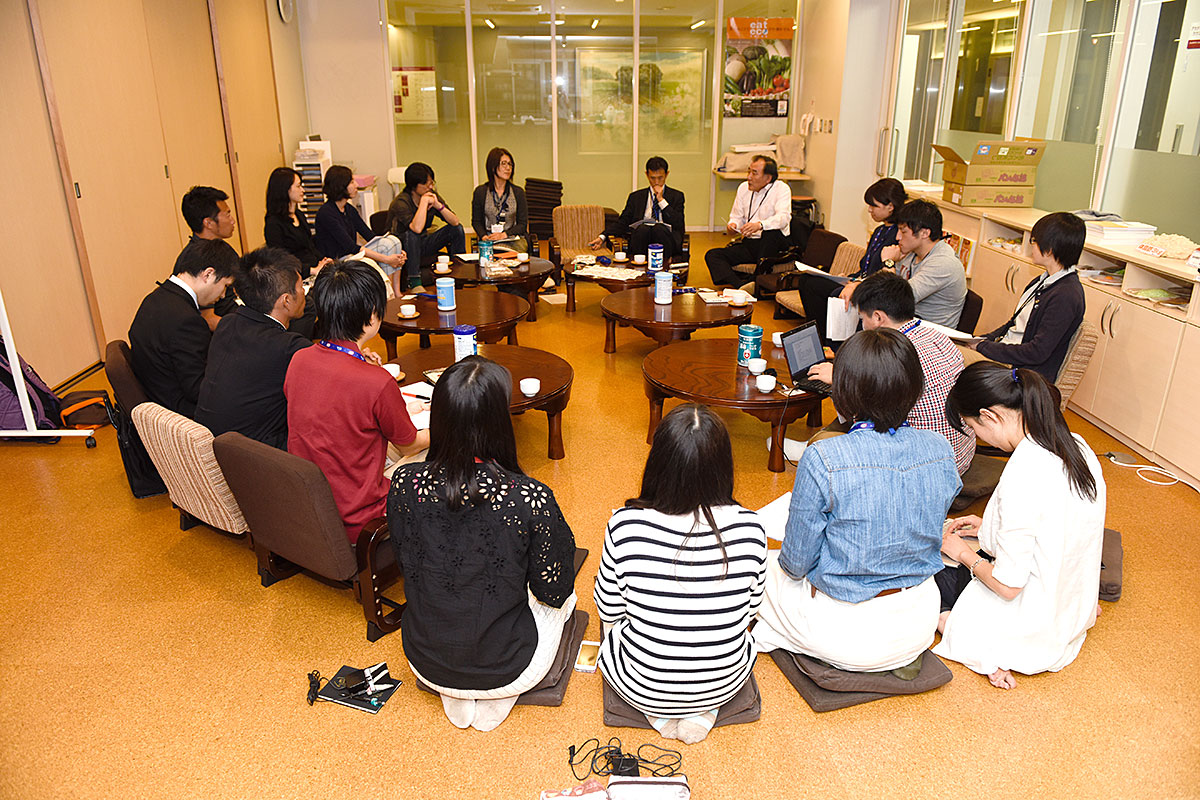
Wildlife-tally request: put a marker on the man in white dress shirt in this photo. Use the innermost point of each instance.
(762, 215)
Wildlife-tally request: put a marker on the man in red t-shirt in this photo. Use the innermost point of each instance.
(343, 408)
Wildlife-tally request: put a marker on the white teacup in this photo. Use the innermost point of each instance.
(522, 257)
(530, 386)
(765, 383)
(393, 370)
(619, 255)
(736, 297)
(640, 258)
(444, 260)
(777, 338)
(756, 365)
(408, 310)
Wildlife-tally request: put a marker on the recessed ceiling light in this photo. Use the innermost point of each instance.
(697, 24)
(595, 22)
(489, 23)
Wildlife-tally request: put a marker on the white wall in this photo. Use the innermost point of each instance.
(346, 72)
(289, 79)
(822, 60)
(864, 92)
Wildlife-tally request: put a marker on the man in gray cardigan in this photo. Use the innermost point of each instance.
(921, 257)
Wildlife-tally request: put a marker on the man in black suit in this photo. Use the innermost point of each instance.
(657, 213)
(169, 338)
(251, 350)
(207, 213)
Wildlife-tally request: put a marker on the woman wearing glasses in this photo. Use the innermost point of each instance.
(498, 209)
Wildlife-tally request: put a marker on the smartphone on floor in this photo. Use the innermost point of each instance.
(588, 653)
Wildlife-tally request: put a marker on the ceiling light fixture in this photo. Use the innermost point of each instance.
(595, 22)
(695, 25)
(489, 23)
(970, 28)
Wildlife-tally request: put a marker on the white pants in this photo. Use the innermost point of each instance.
(550, 622)
(876, 635)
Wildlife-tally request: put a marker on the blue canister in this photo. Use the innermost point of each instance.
(663, 283)
(749, 343)
(654, 256)
(464, 342)
(445, 294)
(485, 253)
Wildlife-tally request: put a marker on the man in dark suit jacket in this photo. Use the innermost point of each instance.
(657, 204)
(251, 350)
(169, 338)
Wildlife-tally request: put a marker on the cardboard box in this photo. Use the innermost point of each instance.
(993, 164)
(988, 196)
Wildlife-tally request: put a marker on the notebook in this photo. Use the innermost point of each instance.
(802, 346)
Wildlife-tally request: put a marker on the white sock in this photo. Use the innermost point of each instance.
(460, 712)
(490, 713)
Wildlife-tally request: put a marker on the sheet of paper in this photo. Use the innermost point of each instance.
(419, 392)
(841, 322)
(957, 336)
(802, 267)
(467, 256)
(774, 516)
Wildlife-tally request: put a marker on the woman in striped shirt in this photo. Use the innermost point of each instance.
(680, 580)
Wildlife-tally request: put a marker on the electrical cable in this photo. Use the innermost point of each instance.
(608, 759)
(1142, 470)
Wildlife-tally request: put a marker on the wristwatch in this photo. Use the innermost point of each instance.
(887, 262)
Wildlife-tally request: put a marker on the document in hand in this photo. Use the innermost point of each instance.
(958, 336)
(841, 322)
(802, 267)
(774, 516)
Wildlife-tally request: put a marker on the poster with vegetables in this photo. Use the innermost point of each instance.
(758, 66)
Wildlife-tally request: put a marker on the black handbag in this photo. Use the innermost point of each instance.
(144, 480)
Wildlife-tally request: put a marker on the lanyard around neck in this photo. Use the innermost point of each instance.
(867, 425)
(765, 191)
(332, 346)
(501, 201)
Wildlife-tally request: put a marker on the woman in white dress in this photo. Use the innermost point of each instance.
(1025, 601)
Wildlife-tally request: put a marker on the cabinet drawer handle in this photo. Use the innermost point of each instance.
(1112, 328)
(1107, 308)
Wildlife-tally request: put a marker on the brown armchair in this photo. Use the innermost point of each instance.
(574, 227)
(295, 525)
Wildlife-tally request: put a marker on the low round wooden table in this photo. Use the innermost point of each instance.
(612, 285)
(663, 323)
(494, 314)
(529, 275)
(706, 371)
(555, 374)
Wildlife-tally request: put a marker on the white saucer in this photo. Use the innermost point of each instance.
(445, 271)
(408, 316)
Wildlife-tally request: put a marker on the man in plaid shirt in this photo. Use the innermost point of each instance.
(885, 300)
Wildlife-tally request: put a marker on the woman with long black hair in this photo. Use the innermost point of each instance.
(486, 554)
(1026, 601)
(285, 225)
(680, 579)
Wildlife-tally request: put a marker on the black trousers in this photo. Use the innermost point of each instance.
(747, 251)
(641, 237)
(952, 580)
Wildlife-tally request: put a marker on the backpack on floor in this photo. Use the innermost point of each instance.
(44, 403)
(85, 408)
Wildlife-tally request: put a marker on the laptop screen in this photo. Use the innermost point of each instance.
(802, 346)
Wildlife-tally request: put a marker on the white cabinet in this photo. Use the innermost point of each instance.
(999, 278)
(1135, 368)
(1178, 439)
(1098, 305)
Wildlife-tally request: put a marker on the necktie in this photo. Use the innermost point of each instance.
(654, 209)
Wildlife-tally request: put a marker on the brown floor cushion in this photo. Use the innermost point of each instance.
(979, 480)
(552, 688)
(826, 688)
(1111, 558)
(745, 706)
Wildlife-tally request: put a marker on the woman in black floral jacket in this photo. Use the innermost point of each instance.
(485, 552)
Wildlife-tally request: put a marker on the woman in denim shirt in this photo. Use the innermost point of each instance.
(853, 584)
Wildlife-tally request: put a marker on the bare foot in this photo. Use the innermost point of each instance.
(945, 615)
(1003, 679)
(1099, 610)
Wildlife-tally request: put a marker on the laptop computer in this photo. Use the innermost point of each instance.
(802, 347)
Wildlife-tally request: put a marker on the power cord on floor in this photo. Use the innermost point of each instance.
(1142, 470)
(608, 759)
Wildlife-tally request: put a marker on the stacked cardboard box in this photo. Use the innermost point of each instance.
(998, 174)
